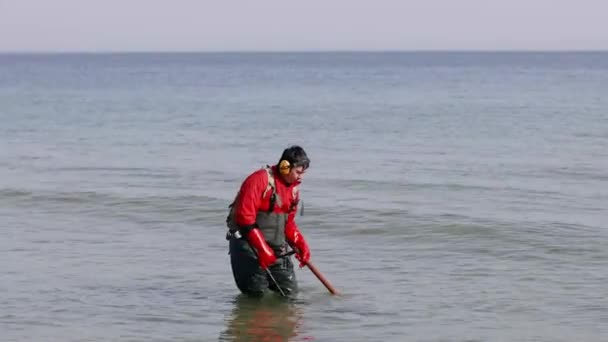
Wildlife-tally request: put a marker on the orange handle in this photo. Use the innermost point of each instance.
(323, 280)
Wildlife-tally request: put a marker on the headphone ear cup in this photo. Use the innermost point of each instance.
(284, 167)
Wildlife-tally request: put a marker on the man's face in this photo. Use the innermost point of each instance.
(295, 175)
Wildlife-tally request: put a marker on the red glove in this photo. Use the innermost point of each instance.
(297, 241)
(265, 254)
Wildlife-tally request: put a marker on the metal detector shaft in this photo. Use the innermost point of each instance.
(268, 270)
(275, 282)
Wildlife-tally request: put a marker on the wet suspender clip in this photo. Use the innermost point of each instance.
(233, 234)
(240, 232)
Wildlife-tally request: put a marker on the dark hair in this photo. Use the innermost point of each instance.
(296, 156)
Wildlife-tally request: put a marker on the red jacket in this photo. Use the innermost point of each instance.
(250, 199)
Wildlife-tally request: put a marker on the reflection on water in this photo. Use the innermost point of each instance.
(270, 318)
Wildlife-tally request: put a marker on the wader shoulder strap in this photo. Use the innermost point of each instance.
(271, 186)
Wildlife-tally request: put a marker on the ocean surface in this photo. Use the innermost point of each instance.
(452, 196)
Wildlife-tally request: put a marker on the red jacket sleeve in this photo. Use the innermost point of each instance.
(250, 198)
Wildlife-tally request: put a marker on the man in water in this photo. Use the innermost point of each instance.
(261, 224)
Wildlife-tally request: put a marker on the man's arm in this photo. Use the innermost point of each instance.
(249, 199)
(296, 239)
(246, 208)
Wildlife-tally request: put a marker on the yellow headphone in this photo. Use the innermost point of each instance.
(284, 167)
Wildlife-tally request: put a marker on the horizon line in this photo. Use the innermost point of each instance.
(312, 51)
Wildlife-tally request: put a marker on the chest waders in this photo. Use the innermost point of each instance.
(250, 278)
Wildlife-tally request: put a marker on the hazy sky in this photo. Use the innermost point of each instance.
(226, 25)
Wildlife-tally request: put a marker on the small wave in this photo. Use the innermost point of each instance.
(157, 208)
(581, 173)
(14, 193)
(394, 186)
(105, 168)
(93, 196)
(122, 171)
